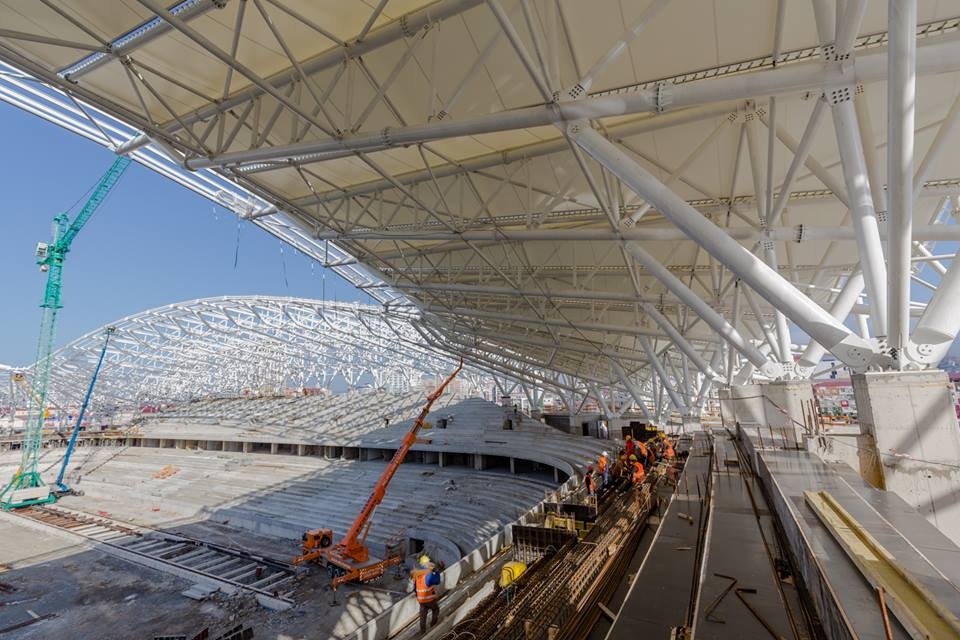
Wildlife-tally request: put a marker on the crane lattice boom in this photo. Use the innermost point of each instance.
(27, 487)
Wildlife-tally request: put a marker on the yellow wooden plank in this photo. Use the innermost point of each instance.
(915, 607)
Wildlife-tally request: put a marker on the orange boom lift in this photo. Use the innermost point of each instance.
(349, 560)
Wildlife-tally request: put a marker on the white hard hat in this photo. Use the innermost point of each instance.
(605, 454)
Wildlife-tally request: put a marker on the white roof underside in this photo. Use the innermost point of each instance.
(563, 305)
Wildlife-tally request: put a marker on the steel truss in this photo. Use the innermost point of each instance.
(230, 346)
(583, 222)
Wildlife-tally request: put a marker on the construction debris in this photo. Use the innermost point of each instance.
(166, 472)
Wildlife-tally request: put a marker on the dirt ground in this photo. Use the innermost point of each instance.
(94, 596)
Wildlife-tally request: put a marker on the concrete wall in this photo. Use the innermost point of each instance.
(910, 441)
(784, 403)
(745, 404)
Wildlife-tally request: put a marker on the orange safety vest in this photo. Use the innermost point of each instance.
(425, 594)
(629, 447)
(641, 450)
(602, 464)
(588, 482)
(638, 473)
(669, 454)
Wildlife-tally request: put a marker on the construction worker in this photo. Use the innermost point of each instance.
(603, 468)
(589, 483)
(629, 446)
(425, 580)
(640, 450)
(638, 473)
(668, 453)
(651, 453)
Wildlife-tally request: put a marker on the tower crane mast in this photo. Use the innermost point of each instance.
(27, 487)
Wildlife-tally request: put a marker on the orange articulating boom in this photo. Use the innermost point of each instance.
(352, 550)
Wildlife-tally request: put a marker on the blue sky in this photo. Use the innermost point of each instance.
(153, 242)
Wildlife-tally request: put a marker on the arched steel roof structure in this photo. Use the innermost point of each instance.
(229, 346)
(644, 196)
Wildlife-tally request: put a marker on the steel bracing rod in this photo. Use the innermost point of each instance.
(713, 319)
(763, 188)
(764, 328)
(901, 104)
(11, 34)
(805, 313)
(510, 31)
(554, 145)
(794, 234)
(841, 307)
(375, 39)
(619, 47)
(549, 322)
(138, 37)
(632, 388)
(662, 374)
(932, 57)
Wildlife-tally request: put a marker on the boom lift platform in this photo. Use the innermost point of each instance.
(349, 559)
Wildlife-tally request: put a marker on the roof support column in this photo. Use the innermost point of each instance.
(662, 374)
(863, 215)
(632, 389)
(776, 290)
(901, 99)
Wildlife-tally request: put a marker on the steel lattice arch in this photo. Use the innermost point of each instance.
(636, 200)
(231, 346)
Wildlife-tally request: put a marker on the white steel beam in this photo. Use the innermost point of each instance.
(935, 56)
(662, 375)
(901, 104)
(332, 57)
(842, 305)
(863, 215)
(806, 314)
(713, 319)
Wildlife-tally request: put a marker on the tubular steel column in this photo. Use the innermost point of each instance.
(863, 216)
(901, 98)
(807, 315)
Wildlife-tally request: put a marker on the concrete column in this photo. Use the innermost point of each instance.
(556, 474)
(274, 447)
(247, 447)
(746, 404)
(479, 462)
(442, 459)
(784, 403)
(910, 441)
(301, 449)
(513, 465)
(163, 443)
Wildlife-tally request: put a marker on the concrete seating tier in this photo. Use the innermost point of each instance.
(322, 419)
(476, 426)
(452, 509)
(474, 431)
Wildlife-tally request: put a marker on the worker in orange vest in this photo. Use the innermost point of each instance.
(641, 452)
(629, 446)
(589, 483)
(603, 468)
(426, 579)
(668, 451)
(638, 473)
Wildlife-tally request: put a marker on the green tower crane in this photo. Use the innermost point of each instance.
(27, 487)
